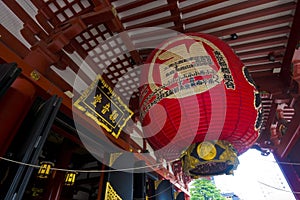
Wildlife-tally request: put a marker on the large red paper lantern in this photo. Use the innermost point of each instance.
(198, 102)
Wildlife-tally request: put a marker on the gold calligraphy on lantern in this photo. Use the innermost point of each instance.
(193, 66)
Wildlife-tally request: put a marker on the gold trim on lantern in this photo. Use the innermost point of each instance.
(70, 178)
(209, 158)
(206, 150)
(45, 169)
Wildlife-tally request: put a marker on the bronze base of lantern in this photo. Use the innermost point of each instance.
(209, 158)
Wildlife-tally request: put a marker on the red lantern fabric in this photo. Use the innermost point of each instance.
(195, 88)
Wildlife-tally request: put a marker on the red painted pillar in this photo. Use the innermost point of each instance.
(14, 106)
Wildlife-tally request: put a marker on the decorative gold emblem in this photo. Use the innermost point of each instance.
(110, 193)
(209, 158)
(35, 75)
(206, 150)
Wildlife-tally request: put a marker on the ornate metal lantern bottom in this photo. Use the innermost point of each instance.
(209, 158)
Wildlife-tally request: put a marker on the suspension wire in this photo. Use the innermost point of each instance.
(116, 170)
(159, 165)
(277, 188)
(143, 167)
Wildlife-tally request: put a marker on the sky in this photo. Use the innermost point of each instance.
(257, 177)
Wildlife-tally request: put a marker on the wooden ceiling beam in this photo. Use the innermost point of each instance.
(45, 12)
(58, 81)
(293, 41)
(256, 75)
(177, 28)
(250, 26)
(202, 4)
(269, 82)
(101, 16)
(176, 11)
(153, 33)
(157, 22)
(66, 60)
(261, 52)
(258, 44)
(42, 67)
(224, 10)
(43, 84)
(12, 42)
(260, 60)
(264, 67)
(98, 2)
(25, 18)
(132, 5)
(147, 13)
(248, 16)
(149, 43)
(258, 35)
(131, 47)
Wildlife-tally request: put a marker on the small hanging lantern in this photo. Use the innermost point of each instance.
(44, 170)
(70, 178)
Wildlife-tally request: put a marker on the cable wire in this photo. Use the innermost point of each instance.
(87, 171)
(276, 188)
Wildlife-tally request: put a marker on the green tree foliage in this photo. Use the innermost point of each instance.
(203, 189)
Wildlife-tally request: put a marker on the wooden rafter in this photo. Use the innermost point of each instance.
(222, 11)
(146, 13)
(132, 5)
(261, 52)
(246, 16)
(259, 60)
(259, 44)
(259, 35)
(250, 26)
(12, 42)
(264, 67)
(157, 22)
(200, 5)
(175, 11)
